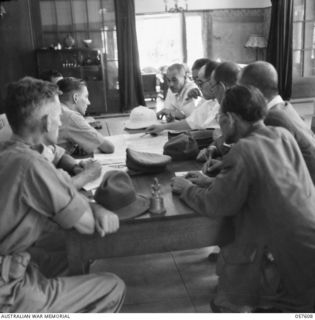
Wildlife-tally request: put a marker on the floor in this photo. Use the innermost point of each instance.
(173, 282)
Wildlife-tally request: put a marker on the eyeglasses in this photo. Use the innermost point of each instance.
(200, 83)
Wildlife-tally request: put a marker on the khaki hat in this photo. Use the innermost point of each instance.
(116, 193)
(181, 147)
(144, 162)
(141, 118)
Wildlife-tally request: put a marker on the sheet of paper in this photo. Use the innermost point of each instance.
(182, 174)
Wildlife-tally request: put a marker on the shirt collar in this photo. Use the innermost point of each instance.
(276, 100)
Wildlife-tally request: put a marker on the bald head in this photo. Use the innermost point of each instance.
(227, 73)
(263, 76)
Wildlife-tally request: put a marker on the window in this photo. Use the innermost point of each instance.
(304, 38)
(162, 39)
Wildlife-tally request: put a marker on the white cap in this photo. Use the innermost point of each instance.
(141, 118)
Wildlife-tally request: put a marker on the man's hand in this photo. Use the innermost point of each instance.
(155, 129)
(105, 220)
(212, 167)
(199, 179)
(179, 184)
(206, 154)
(92, 168)
(193, 94)
(169, 115)
(203, 155)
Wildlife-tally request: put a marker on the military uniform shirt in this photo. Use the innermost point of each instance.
(75, 130)
(32, 190)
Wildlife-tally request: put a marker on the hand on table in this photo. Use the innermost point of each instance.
(92, 168)
(169, 115)
(154, 129)
(212, 167)
(199, 179)
(203, 155)
(178, 184)
(105, 221)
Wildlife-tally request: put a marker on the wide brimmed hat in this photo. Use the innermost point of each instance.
(141, 118)
(116, 193)
(144, 162)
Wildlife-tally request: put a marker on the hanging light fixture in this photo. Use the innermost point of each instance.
(178, 6)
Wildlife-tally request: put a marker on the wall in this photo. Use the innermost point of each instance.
(17, 43)
(228, 30)
(146, 6)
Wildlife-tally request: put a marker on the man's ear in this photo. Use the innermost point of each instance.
(75, 97)
(45, 123)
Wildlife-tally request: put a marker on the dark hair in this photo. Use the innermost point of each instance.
(227, 73)
(210, 66)
(48, 74)
(199, 63)
(68, 86)
(24, 98)
(246, 101)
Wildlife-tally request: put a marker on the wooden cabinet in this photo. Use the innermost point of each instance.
(80, 63)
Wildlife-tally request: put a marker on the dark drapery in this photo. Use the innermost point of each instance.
(130, 82)
(279, 49)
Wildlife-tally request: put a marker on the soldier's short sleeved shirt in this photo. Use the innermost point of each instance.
(34, 194)
(75, 130)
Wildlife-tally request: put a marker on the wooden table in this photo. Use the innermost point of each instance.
(178, 229)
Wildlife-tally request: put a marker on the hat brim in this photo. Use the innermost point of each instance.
(142, 125)
(135, 209)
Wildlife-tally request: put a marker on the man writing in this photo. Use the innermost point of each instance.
(265, 185)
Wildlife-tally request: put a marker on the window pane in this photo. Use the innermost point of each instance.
(297, 63)
(310, 10)
(309, 63)
(107, 13)
(64, 15)
(48, 15)
(298, 35)
(309, 35)
(194, 38)
(94, 17)
(298, 10)
(159, 40)
(79, 15)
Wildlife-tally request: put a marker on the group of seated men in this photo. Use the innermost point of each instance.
(266, 162)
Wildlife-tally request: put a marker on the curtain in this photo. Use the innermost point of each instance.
(130, 82)
(279, 49)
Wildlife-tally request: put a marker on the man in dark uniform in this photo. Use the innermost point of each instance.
(35, 198)
(265, 185)
(264, 76)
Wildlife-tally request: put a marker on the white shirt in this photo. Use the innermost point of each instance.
(5, 128)
(276, 100)
(177, 101)
(203, 116)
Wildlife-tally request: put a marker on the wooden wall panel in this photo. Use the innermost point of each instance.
(17, 42)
